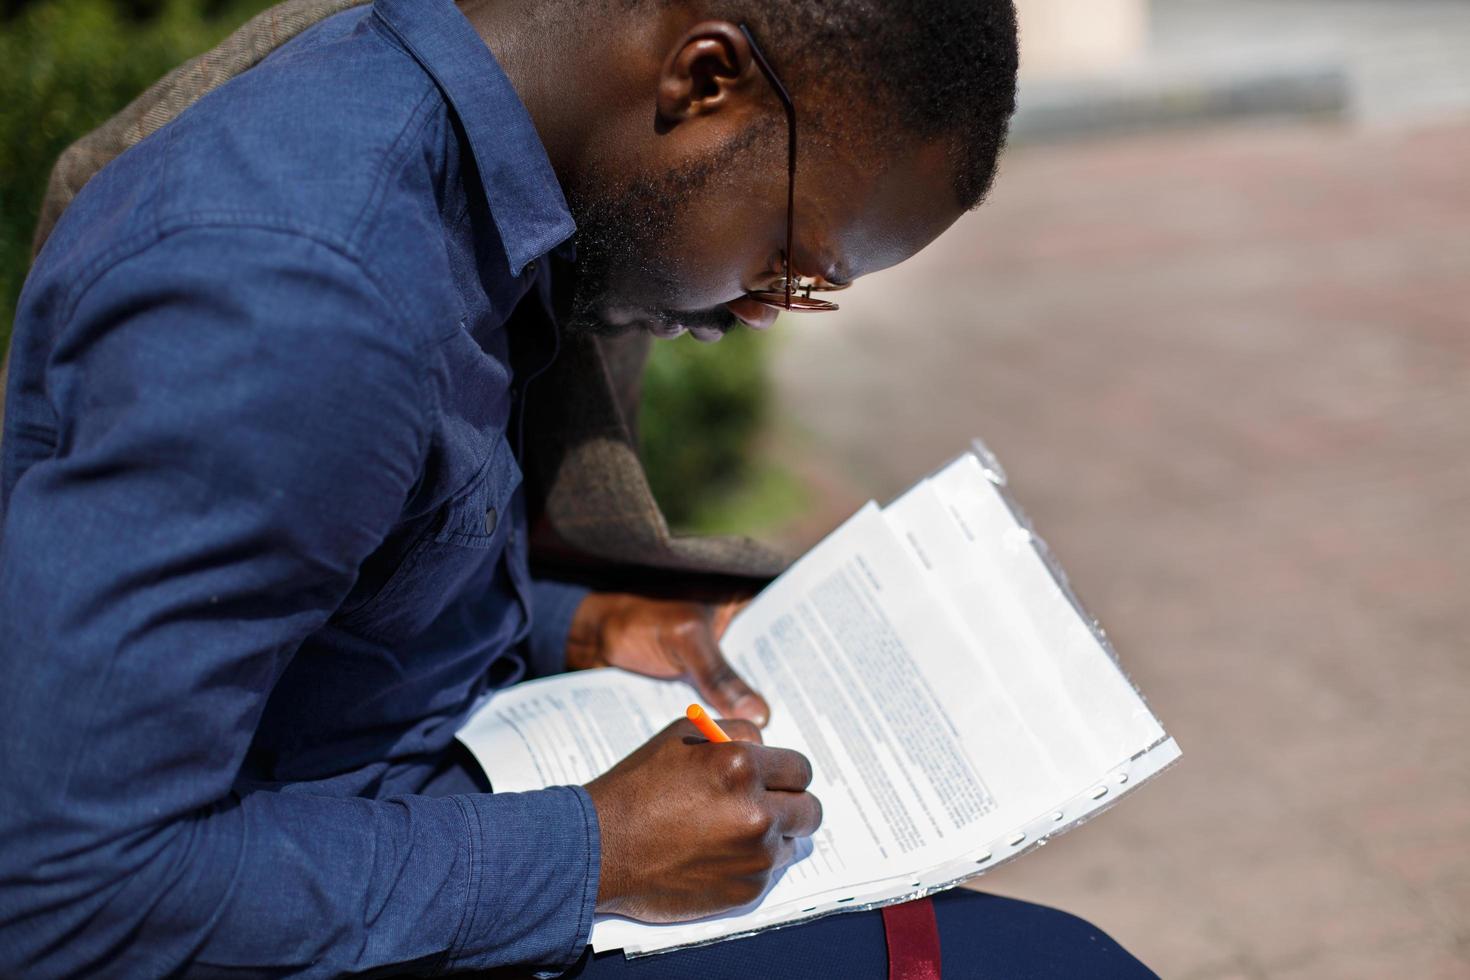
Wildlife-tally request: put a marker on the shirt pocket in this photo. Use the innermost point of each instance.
(454, 555)
(475, 517)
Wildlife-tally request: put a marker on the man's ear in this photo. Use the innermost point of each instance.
(708, 67)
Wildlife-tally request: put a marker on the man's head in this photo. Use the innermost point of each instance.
(679, 185)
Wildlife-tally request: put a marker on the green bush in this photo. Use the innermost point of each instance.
(67, 65)
(703, 406)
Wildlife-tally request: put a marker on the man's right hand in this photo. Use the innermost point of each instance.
(691, 828)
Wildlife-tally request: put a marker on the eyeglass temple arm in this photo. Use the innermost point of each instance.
(786, 103)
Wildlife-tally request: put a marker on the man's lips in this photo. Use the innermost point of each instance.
(707, 335)
(757, 316)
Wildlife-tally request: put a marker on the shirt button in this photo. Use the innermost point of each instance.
(491, 519)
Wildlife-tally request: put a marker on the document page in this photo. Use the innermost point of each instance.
(1056, 709)
(955, 704)
(832, 645)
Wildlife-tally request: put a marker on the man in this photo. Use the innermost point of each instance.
(265, 541)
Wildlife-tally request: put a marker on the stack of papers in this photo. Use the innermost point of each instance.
(957, 705)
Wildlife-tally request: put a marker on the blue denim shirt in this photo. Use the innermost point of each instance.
(263, 537)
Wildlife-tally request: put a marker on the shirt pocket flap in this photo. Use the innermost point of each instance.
(478, 514)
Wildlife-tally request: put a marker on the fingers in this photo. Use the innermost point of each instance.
(718, 683)
(740, 730)
(797, 814)
(784, 769)
(771, 768)
(722, 613)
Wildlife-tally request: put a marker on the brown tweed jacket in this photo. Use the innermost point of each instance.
(596, 512)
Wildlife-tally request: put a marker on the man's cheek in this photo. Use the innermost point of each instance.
(707, 260)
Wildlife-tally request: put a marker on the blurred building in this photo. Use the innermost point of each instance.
(1065, 39)
(1111, 66)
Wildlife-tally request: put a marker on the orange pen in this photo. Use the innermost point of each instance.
(706, 724)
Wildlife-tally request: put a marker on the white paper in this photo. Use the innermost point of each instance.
(954, 705)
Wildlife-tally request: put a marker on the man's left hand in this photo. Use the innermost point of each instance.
(666, 638)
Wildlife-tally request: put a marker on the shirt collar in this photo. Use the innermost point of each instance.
(525, 199)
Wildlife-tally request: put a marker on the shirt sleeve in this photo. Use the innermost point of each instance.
(553, 604)
(242, 418)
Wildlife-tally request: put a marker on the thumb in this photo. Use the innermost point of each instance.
(726, 611)
(720, 686)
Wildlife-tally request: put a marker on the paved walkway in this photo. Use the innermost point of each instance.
(1229, 373)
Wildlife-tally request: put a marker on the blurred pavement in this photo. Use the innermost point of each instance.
(1229, 374)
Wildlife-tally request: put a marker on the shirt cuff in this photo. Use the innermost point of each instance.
(535, 863)
(553, 604)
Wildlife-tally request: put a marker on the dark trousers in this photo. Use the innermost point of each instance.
(980, 936)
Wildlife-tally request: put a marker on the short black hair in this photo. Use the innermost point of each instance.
(929, 69)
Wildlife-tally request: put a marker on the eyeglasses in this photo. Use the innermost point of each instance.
(789, 294)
